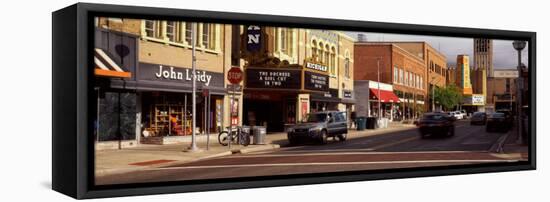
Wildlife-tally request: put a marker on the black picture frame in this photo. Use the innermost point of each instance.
(72, 147)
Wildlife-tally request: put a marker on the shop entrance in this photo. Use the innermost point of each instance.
(272, 110)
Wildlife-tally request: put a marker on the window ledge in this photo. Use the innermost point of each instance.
(181, 44)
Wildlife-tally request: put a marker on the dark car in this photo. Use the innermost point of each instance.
(478, 118)
(507, 114)
(436, 123)
(497, 122)
(319, 126)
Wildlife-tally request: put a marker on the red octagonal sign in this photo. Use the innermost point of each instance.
(235, 75)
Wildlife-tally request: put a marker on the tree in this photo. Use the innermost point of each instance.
(449, 96)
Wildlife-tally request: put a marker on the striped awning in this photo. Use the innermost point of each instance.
(105, 66)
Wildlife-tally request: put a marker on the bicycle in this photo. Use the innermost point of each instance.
(238, 135)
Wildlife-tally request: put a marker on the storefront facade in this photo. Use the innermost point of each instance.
(153, 100)
(292, 72)
(376, 99)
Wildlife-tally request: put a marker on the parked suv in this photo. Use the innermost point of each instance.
(319, 126)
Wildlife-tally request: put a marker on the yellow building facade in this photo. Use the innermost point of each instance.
(158, 56)
(290, 72)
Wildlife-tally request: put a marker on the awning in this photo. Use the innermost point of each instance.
(105, 66)
(385, 96)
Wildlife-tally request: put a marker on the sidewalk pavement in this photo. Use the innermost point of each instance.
(512, 144)
(146, 156)
(508, 146)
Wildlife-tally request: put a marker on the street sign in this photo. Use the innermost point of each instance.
(234, 87)
(235, 75)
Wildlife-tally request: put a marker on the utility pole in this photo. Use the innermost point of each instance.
(519, 46)
(379, 103)
(193, 147)
(433, 92)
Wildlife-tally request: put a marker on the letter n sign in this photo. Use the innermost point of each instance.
(253, 38)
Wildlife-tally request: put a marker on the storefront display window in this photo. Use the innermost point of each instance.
(117, 116)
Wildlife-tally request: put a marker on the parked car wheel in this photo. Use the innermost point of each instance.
(324, 137)
(342, 137)
(292, 141)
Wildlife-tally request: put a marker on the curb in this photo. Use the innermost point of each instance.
(260, 148)
(497, 146)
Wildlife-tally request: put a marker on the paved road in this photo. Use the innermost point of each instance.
(470, 145)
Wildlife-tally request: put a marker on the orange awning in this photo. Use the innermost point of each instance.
(385, 96)
(105, 66)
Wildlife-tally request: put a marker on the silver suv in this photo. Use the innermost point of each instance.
(319, 126)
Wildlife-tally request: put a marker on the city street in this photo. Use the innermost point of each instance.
(469, 145)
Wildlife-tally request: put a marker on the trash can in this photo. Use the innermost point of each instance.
(361, 123)
(259, 134)
(246, 140)
(383, 123)
(371, 122)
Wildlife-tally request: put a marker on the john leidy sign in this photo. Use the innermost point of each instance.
(167, 73)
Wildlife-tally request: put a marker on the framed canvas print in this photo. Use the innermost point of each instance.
(157, 100)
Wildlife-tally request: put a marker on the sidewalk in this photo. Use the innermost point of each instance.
(508, 146)
(512, 145)
(150, 156)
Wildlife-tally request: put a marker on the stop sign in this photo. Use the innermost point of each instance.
(235, 75)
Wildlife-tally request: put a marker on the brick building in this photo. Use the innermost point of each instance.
(436, 64)
(405, 71)
(501, 90)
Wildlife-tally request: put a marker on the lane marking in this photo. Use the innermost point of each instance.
(336, 163)
(395, 143)
(352, 153)
(315, 150)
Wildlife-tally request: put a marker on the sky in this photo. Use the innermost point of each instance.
(504, 54)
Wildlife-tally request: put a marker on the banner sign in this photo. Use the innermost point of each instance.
(315, 81)
(270, 78)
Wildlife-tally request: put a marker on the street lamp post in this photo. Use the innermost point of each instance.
(433, 94)
(379, 103)
(519, 46)
(193, 147)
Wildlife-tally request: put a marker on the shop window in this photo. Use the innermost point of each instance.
(406, 78)
(171, 31)
(401, 76)
(206, 35)
(314, 49)
(327, 59)
(151, 28)
(188, 32)
(117, 116)
(346, 67)
(333, 60)
(395, 74)
(283, 40)
(320, 52)
(290, 42)
(411, 79)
